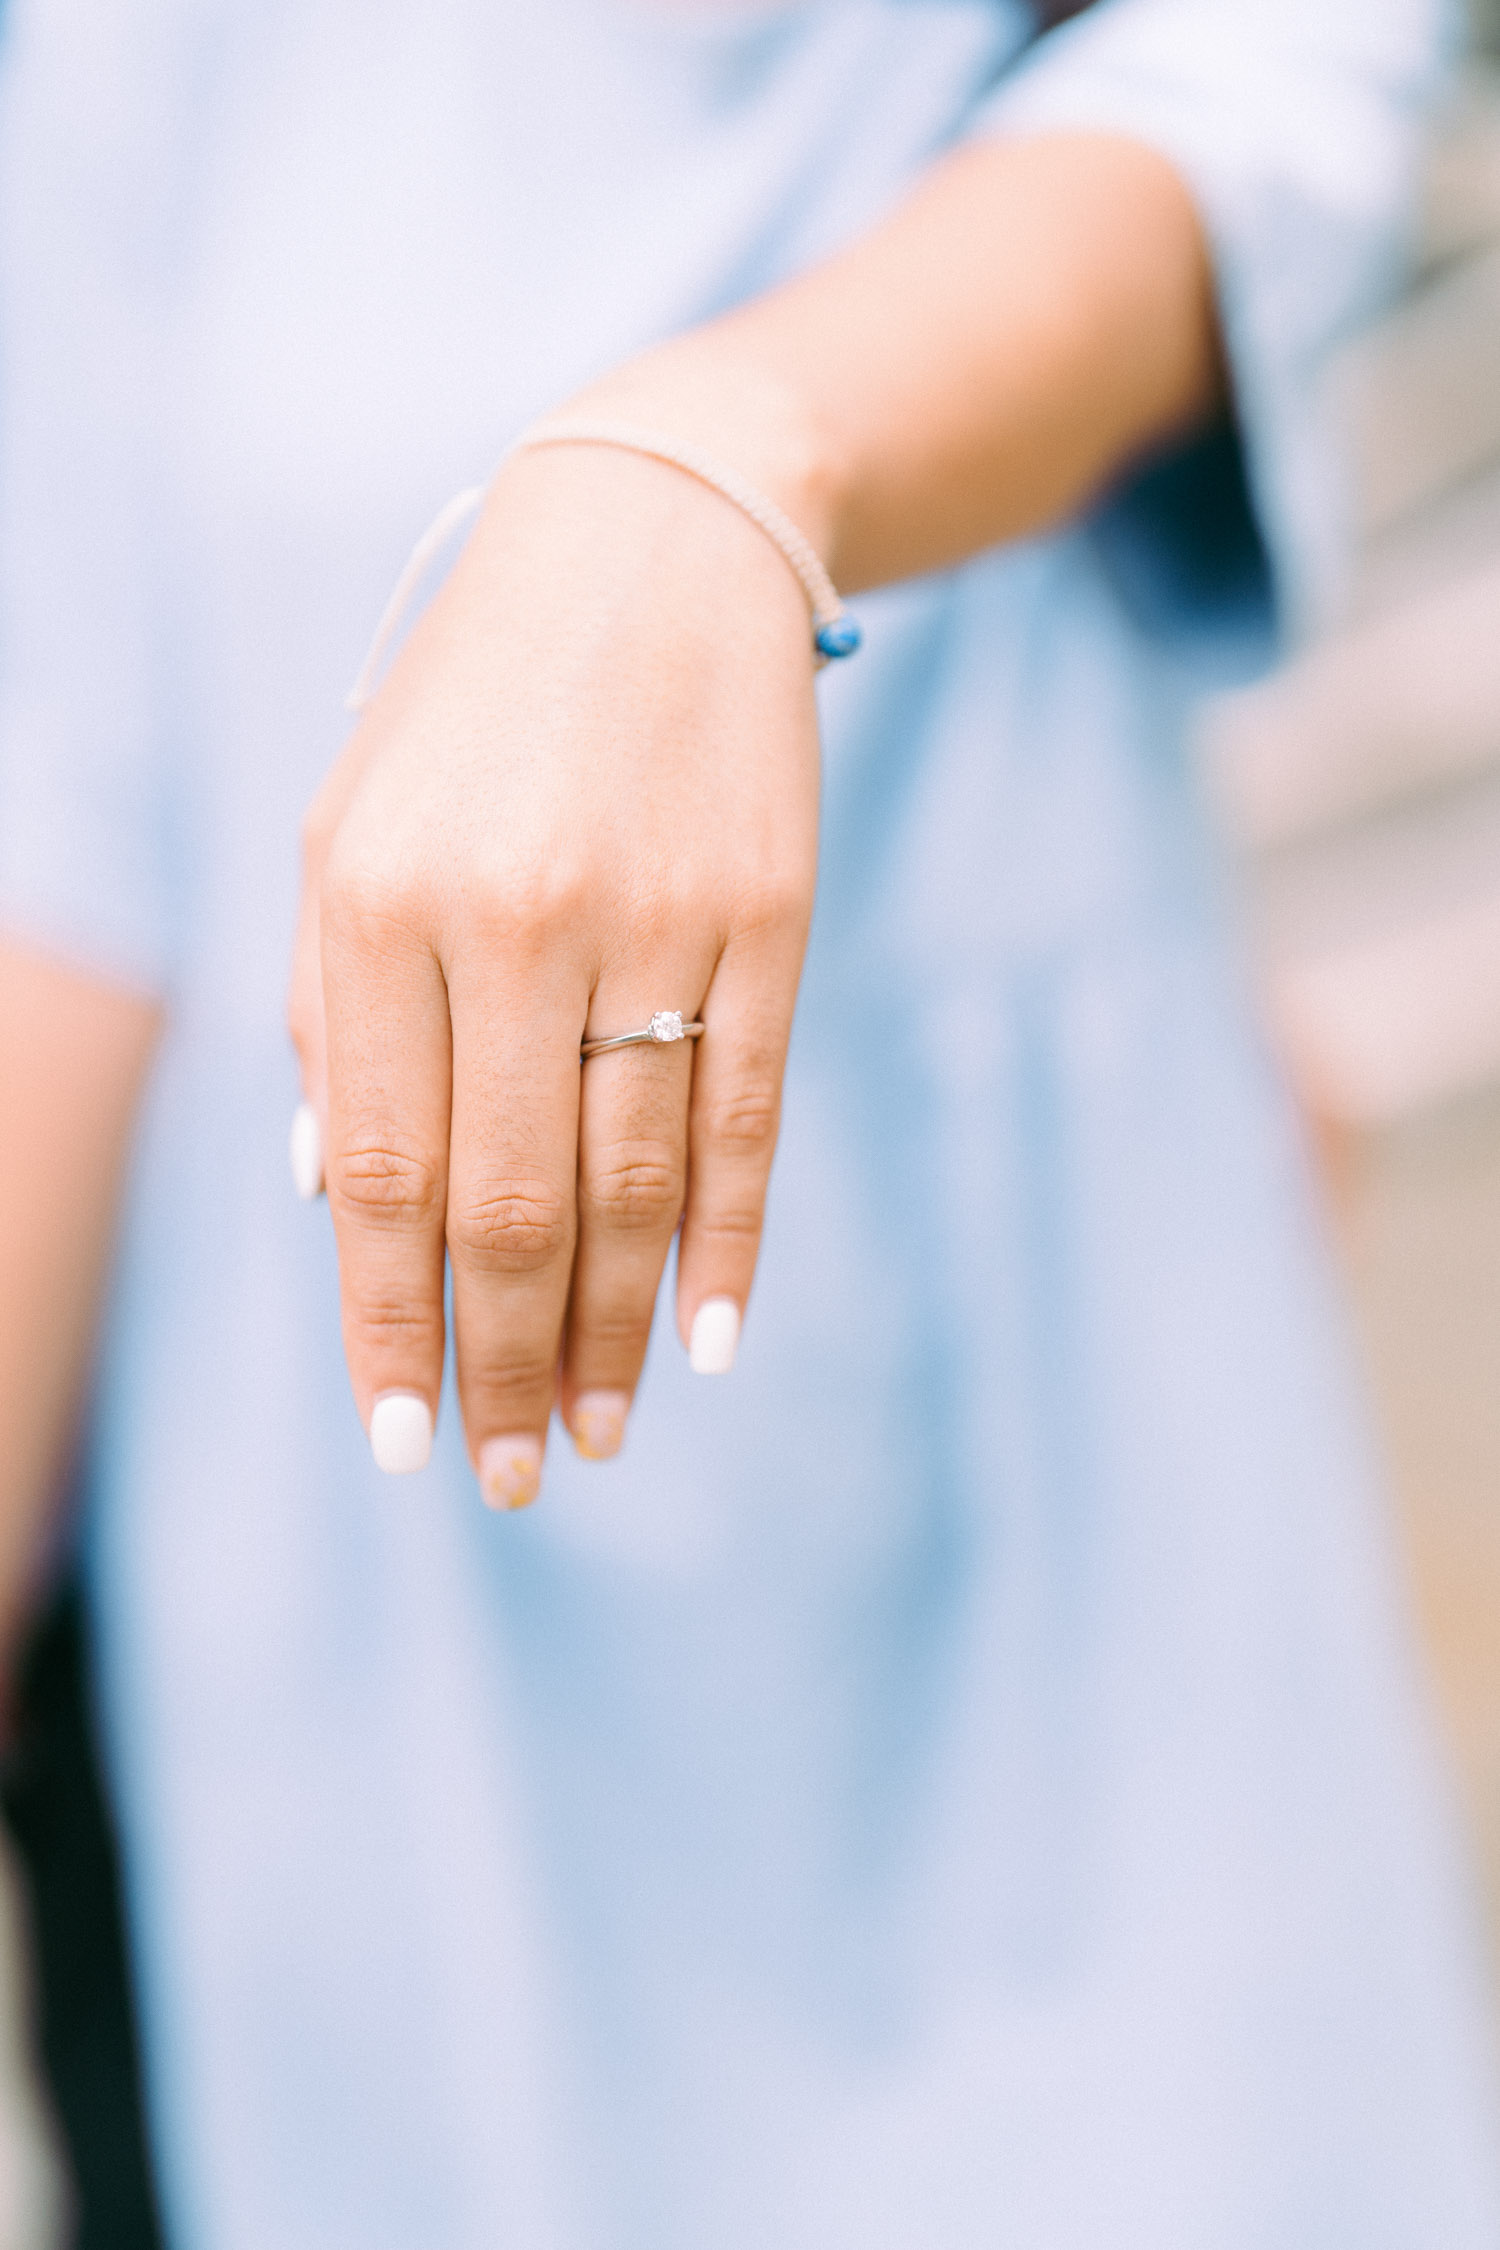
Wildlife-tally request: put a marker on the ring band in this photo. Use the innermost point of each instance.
(665, 1027)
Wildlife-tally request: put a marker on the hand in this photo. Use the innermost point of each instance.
(588, 790)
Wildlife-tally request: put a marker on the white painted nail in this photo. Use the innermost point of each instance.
(715, 1336)
(401, 1432)
(306, 1151)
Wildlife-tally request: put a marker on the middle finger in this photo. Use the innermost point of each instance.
(511, 1208)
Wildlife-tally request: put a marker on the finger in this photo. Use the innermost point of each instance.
(732, 1126)
(389, 1067)
(306, 1023)
(511, 1203)
(304, 1007)
(632, 1176)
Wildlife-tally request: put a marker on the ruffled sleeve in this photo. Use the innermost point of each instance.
(1297, 126)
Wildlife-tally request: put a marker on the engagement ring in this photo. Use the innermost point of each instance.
(665, 1026)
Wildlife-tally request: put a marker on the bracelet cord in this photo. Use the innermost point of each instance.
(835, 633)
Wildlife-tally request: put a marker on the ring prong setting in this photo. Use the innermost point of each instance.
(666, 1027)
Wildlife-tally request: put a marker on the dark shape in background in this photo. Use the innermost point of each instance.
(1049, 13)
(54, 1806)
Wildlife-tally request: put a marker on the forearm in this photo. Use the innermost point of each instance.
(72, 1055)
(1035, 315)
(577, 798)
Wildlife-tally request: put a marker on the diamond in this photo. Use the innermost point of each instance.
(666, 1024)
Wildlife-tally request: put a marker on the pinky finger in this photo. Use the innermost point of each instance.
(305, 1014)
(732, 1128)
(306, 1022)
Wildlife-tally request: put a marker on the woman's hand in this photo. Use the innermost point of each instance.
(587, 791)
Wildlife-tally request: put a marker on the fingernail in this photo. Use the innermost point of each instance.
(510, 1471)
(715, 1336)
(401, 1432)
(306, 1151)
(599, 1423)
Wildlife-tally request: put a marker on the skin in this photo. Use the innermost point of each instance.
(589, 785)
(589, 788)
(73, 1055)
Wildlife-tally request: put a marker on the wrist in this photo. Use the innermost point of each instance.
(699, 391)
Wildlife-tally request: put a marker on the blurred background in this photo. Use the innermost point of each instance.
(1360, 789)
(1360, 792)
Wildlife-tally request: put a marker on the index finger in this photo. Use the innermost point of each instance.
(389, 1074)
(304, 1004)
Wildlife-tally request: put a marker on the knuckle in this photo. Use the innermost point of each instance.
(365, 904)
(776, 898)
(732, 1224)
(633, 1188)
(743, 1122)
(380, 1322)
(516, 1228)
(383, 1184)
(518, 1377)
(613, 1330)
(659, 911)
(524, 906)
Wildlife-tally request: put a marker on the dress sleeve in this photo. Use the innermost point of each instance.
(84, 847)
(1297, 126)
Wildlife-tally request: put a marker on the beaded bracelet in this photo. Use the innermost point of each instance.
(835, 632)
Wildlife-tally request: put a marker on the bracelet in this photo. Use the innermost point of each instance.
(835, 632)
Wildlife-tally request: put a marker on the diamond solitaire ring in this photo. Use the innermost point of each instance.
(665, 1026)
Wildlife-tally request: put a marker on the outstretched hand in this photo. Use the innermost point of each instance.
(589, 788)
(587, 791)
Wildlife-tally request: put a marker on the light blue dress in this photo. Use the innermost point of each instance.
(957, 1782)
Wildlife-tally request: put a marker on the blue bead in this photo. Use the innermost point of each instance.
(841, 638)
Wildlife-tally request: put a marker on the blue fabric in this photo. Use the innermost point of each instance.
(958, 1780)
(1182, 544)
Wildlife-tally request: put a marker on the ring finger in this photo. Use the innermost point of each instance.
(632, 1178)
